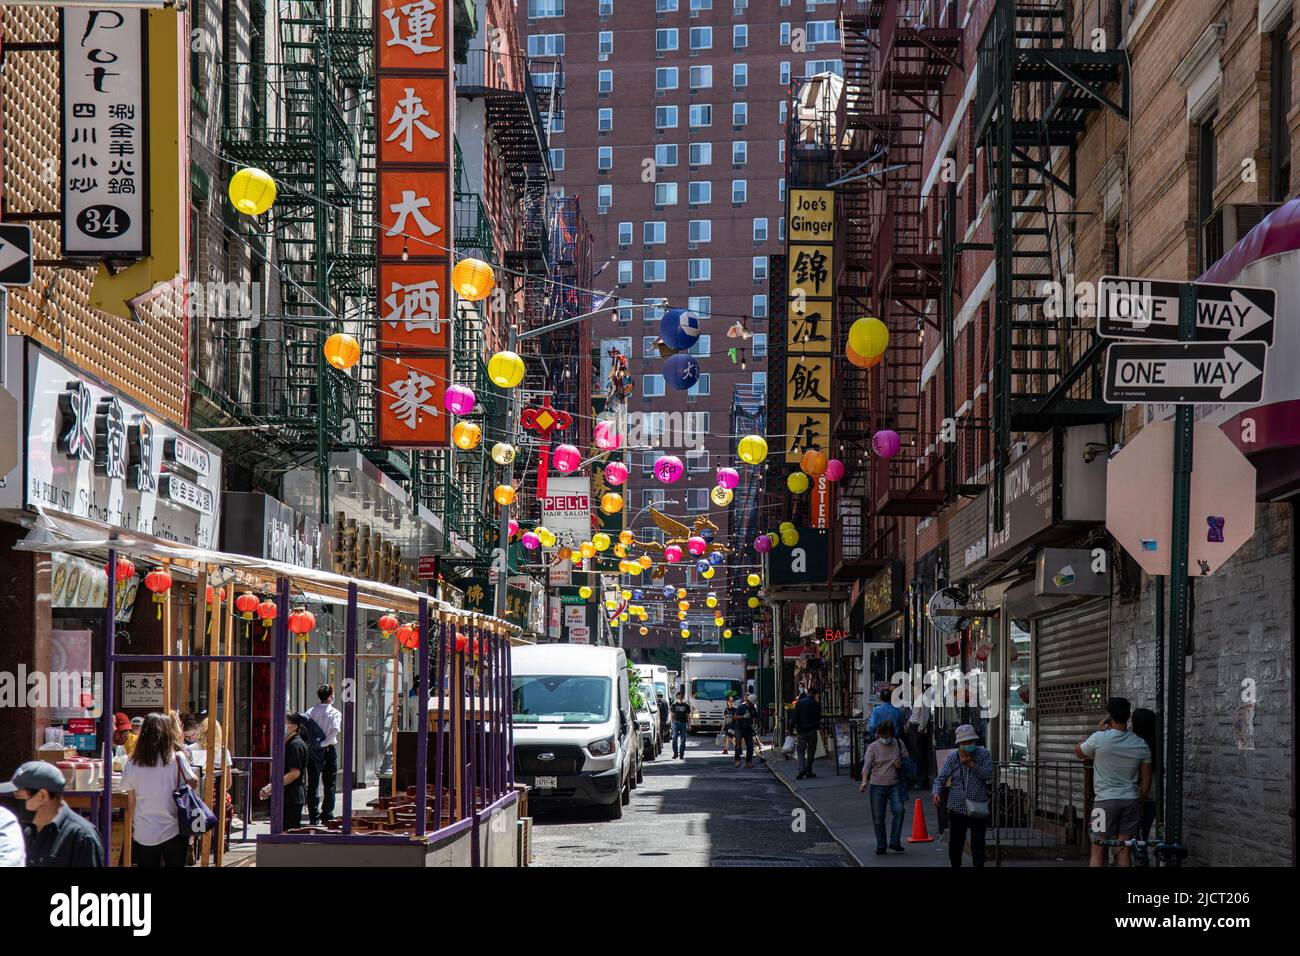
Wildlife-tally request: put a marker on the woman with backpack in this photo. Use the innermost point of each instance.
(882, 774)
(155, 769)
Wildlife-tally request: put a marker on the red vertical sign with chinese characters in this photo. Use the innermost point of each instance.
(415, 120)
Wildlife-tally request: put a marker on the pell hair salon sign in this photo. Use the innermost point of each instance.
(92, 453)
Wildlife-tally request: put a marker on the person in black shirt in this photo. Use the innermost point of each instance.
(296, 758)
(807, 724)
(55, 834)
(742, 718)
(681, 713)
(663, 714)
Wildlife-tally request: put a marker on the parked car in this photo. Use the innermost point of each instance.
(647, 719)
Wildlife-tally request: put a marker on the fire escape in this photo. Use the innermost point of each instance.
(1035, 93)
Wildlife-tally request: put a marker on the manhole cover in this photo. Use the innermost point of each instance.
(769, 861)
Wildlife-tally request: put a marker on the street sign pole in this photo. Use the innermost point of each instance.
(1178, 587)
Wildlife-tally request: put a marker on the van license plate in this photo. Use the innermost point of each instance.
(544, 783)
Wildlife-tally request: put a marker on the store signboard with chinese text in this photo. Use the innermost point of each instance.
(810, 305)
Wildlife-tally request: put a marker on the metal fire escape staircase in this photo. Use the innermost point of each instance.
(1035, 92)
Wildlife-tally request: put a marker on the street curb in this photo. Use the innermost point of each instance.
(847, 849)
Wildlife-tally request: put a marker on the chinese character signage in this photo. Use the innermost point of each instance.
(142, 690)
(103, 76)
(809, 328)
(414, 115)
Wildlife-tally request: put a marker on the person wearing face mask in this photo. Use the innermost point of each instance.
(295, 771)
(55, 834)
(970, 770)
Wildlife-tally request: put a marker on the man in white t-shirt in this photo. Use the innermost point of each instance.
(330, 721)
(1121, 777)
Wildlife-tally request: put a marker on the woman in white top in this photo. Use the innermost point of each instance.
(155, 769)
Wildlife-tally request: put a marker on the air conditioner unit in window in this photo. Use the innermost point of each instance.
(1239, 218)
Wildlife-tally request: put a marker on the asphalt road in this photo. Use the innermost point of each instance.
(700, 811)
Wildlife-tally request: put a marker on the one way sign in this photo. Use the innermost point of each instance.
(15, 255)
(1183, 374)
(1135, 308)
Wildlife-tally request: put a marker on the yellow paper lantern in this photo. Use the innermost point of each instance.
(624, 617)
(473, 279)
(503, 453)
(546, 535)
(721, 496)
(789, 537)
(752, 449)
(681, 615)
(643, 630)
(466, 435)
(685, 633)
(600, 540)
(753, 580)
(683, 605)
(251, 191)
(626, 537)
(645, 561)
(634, 569)
(584, 592)
(610, 604)
(612, 503)
(587, 550)
(564, 554)
(681, 592)
(711, 600)
(506, 369)
(342, 351)
(503, 495)
(754, 602)
(797, 482)
(620, 551)
(717, 622)
(868, 337)
(727, 633)
(627, 595)
(708, 573)
(786, 526)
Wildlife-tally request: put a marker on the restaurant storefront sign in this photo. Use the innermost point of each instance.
(256, 524)
(883, 594)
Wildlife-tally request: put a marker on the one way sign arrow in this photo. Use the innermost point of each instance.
(15, 254)
(1184, 374)
(1147, 309)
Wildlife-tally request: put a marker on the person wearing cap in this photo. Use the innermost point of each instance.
(125, 733)
(968, 771)
(56, 835)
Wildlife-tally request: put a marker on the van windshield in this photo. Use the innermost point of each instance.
(714, 689)
(561, 699)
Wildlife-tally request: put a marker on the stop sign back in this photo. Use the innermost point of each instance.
(1139, 499)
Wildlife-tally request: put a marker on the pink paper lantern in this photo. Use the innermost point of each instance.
(762, 544)
(513, 527)
(672, 554)
(566, 458)
(696, 545)
(834, 470)
(606, 435)
(531, 541)
(886, 443)
(458, 400)
(728, 477)
(669, 469)
(615, 473)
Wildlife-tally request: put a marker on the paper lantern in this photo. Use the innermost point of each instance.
(251, 191)
(625, 537)
(702, 565)
(612, 503)
(584, 592)
(587, 549)
(624, 617)
(158, 581)
(615, 473)
(610, 604)
(790, 538)
(886, 443)
(566, 458)
(868, 337)
(246, 604)
(753, 580)
(634, 569)
(600, 540)
(506, 369)
(681, 372)
(462, 642)
(638, 594)
(696, 545)
(473, 279)
(681, 592)
(706, 534)
(813, 463)
(531, 541)
(797, 482)
(504, 495)
(834, 469)
(512, 528)
(679, 329)
(387, 624)
(721, 496)
(645, 561)
(503, 453)
(711, 600)
(606, 435)
(466, 435)
(643, 630)
(669, 469)
(124, 571)
(727, 633)
(266, 611)
(672, 554)
(685, 633)
(681, 615)
(458, 400)
(408, 637)
(683, 605)
(728, 478)
(302, 622)
(669, 592)
(785, 525)
(717, 622)
(708, 572)
(546, 536)
(854, 359)
(752, 449)
(342, 351)
(762, 544)
(754, 602)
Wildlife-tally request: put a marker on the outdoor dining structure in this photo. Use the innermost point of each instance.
(218, 611)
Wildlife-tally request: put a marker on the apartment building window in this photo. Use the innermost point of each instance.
(666, 154)
(814, 67)
(699, 230)
(699, 194)
(557, 159)
(666, 78)
(605, 119)
(605, 8)
(605, 81)
(654, 270)
(666, 40)
(760, 267)
(1209, 248)
(739, 153)
(604, 157)
(654, 233)
(739, 114)
(546, 44)
(698, 5)
(760, 344)
(758, 306)
(1279, 82)
(739, 190)
(780, 189)
(701, 387)
(760, 229)
(604, 196)
(701, 38)
(700, 154)
(648, 347)
(665, 117)
(740, 75)
(785, 34)
(703, 345)
(655, 309)
(701, 305)
(821, 31)
(665, 194)
(537, 9)
(697, 499)
(701, 77)
(701, 115)
(780, 229)
(624, 234)
(625, 305)
(785, 73)
(782, 109)
(780, 150)
(605, 42)
(699, 270)
(665, 6)
(624, 271)
(738, 7)
(652, 386)
(739, 36)
(555, 120)
(758, 381)
(696, 462)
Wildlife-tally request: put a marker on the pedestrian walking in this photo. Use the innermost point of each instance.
(885, 710)
(1121, 777)
(324, 770)
(294, 780)
(681, 714)
(728, 723)
(13, 852)
(882, 769)
(968, 773)
(55, 834)
(743, 720)
(807, 723)
(157, 767)
(1145, 726)
(663, 714)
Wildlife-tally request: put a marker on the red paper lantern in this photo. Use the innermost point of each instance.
(159, 582)
(125, 570)
(408, 636)
(219, 595)
(388, 624)
(267, 611)
(476, 647)
(246, 604)
(302, 622)
(462, 642)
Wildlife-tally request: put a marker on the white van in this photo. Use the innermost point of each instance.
(657, 676)
(576, 738)
(709, 680)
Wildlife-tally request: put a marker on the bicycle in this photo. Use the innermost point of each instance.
(1166, 854)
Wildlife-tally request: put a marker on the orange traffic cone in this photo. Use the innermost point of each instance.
(919, 832)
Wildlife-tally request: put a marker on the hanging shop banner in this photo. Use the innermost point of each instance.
(883, 595)
(1028, 494)
(103, 75)
(809, 273)
(968, 541)
(478, 595)
(415, 120)
(566, 510)
(812, 215)
(256, 524)
(820, 502)
(92, 453)
(805, 563)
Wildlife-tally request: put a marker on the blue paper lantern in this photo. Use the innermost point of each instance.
(715, 558)
(670, 592)
(702, 565)
(637, 594)
(681, 372)
(706, 534)
(679, 329)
